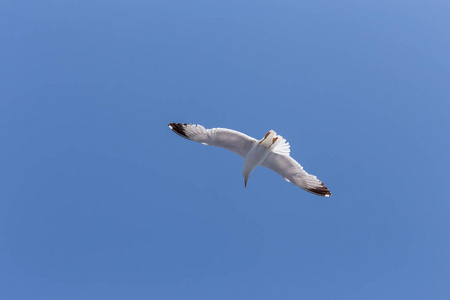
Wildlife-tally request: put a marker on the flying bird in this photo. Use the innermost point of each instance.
(272, 152)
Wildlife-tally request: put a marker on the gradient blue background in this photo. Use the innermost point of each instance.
(100, 200)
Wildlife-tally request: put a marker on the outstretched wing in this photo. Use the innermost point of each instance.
(293, 172)
(232, 140)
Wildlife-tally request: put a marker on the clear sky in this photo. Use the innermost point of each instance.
(100, 200)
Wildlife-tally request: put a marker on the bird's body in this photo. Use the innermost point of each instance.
(254, 158)
(272, 152)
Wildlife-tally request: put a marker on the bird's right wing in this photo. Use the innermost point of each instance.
(232, 140)
(293, 172)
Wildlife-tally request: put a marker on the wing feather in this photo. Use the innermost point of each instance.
(293, 172)
(232, 140)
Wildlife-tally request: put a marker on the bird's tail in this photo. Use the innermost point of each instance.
(276, 143)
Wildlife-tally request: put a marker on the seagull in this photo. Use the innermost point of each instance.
(272, 152)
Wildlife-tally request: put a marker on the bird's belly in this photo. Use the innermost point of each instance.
(255, 157)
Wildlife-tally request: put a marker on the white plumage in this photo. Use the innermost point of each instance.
(272, 152)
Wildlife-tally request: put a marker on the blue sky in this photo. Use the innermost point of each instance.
(100, 200)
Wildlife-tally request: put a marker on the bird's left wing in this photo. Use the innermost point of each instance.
(232, 140)
(293, 172)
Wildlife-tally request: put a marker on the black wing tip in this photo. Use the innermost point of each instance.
(321, 191)
(178, 128)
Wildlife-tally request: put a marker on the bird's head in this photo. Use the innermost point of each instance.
(246, 173)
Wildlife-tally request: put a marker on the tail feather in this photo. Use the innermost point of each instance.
(276, 143)
(281, 146)
(268, 140)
